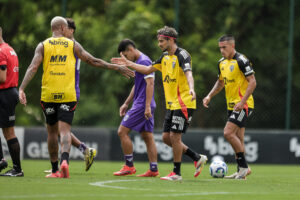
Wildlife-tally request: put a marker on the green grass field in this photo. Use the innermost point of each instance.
(266, 182)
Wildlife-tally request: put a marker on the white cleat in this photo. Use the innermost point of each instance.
(200, 164)
(242, 173)
(172, 177)
(234, 175)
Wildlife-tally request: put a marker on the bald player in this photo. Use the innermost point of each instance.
(58, 97)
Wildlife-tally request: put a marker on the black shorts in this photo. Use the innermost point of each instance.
(9, 98)
(176, 121)
(55, 112)
(239, 117)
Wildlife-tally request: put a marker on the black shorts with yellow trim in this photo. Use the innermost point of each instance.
(239, 117)
(176, 121)
(55, 112)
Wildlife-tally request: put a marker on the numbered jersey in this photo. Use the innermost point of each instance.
(233, 72)
(59, 65)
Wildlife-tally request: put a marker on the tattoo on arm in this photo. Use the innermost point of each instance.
(91, 60)
(33, 67)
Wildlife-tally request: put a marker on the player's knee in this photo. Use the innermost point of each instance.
(227, 134)
(166, 139)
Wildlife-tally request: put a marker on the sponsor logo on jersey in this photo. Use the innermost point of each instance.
(169, 80)
(57, 73)
(226, 80)
(63, 43)
(58, 58)
(58, 96)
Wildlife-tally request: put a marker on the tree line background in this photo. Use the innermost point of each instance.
(259, 26)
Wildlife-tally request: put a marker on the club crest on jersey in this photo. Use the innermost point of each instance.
(231, 68)
(173, 64)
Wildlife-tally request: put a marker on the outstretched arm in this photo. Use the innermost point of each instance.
(190, 80)
(139, 68)
(31, 71)
(215, 90)
(96, 62)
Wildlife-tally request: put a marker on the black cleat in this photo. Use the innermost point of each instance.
(13, 173)
(3, 164)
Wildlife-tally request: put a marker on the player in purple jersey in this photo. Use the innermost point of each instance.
(140, 117)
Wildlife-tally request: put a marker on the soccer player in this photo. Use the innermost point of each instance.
(176, 67)
(237, 75)
(141, 115)
(89, 153)
(9, 75)
(58, 98)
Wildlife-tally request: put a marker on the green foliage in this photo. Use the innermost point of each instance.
(260, 27)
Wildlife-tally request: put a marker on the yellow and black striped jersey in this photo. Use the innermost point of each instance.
(233, 72)
(175, 83)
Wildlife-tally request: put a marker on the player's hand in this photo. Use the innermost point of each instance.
(120, 60)
(148, 114)
(126, 71)
(192, 92)
(123, 110)
(239, 106)
(22, 97)
(206, 101)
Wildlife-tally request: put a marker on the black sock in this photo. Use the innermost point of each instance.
(176, 169)
(14, 150)
(1, 151)
(64, 156)
(54, 166)
(241, 161)
(192, 154)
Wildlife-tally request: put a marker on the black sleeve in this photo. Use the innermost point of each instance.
(3, 67)
(158, 61)
(245, 65)
(185, 61)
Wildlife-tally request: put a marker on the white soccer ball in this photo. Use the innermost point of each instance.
(218, 169)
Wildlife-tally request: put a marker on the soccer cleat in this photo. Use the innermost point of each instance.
(126, 170)
(149, 173)
(48, 171)
(13, 173)
(64, 170)
(172, 177)
(200, 164)
(53, 175)
(242, 173)
(232, 176)
(89, 156)
(3, 164)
